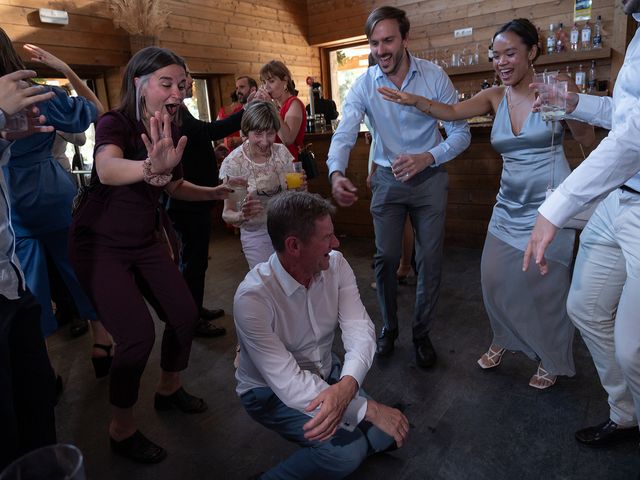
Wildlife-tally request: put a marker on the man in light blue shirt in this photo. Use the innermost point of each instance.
(409, 178)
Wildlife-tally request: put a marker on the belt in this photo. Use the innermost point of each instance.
(629, 189)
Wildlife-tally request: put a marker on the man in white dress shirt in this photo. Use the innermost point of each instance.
(604, 299)
(286, 312)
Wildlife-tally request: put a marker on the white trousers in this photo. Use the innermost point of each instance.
(256, 245)
(604, 300)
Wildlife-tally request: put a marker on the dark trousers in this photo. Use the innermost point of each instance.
(194, 228)
(27, 383)
(424, 198)
(117, 281)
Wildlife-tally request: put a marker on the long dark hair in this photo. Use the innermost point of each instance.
(142, 64)
(526, 30)
(9, 59)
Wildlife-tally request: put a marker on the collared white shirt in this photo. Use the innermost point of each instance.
(398, 128)
(286, 333)
(616, 160)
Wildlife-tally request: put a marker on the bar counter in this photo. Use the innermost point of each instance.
(474, 180)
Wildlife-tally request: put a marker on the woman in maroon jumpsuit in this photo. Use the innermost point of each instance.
(116, 242)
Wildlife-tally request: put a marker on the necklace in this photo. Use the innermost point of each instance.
(266, 176)
(510, 101)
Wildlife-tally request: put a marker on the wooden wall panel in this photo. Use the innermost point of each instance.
(216, 37)
(434, 21)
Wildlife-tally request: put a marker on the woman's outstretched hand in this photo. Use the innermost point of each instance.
(396, 96)
(159, 143)
(40, 55)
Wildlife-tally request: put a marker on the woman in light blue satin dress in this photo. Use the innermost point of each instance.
(527, 311)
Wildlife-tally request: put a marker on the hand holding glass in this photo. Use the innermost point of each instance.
(553, 98)
(398, 167)
(251, 205)
(294, 179)
(239, 185)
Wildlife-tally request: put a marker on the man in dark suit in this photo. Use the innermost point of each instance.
(192, 220)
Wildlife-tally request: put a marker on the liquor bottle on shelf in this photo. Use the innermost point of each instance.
(490, 53)
(581, 80)
(592, 79)
(574, 37)
(496, 81)
(585, 36)
(485, 84)
(597, 33)
(567, 71)
(542, 41)
(551, 39)
(561, 39)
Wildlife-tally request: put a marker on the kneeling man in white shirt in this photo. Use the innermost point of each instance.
(286, 311)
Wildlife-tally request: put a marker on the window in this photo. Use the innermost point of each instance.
(198, 104)
(346, 64)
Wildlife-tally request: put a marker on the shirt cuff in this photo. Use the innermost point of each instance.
(354, 414)
(437, 151)
(587, 104)
(558, 208)
(356, 370)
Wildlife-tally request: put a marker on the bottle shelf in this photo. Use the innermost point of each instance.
(553, 59)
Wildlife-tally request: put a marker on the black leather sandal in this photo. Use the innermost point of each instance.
(138, 448)
(102, 365)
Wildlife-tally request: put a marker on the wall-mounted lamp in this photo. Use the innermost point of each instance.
(59, 17)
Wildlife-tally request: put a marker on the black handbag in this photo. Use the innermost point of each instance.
(308, 160)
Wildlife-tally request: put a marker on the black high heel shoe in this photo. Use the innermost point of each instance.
(102, 365)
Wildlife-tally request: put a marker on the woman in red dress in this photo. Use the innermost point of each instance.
(278, 83)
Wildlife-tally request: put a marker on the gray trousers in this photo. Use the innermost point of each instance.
(424, 198)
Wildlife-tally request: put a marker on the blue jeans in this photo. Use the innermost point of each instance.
(334, 458)
(424, 198)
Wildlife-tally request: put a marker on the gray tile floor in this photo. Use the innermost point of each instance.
(466, 423)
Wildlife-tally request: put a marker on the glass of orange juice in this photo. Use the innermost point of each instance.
(294, 179)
